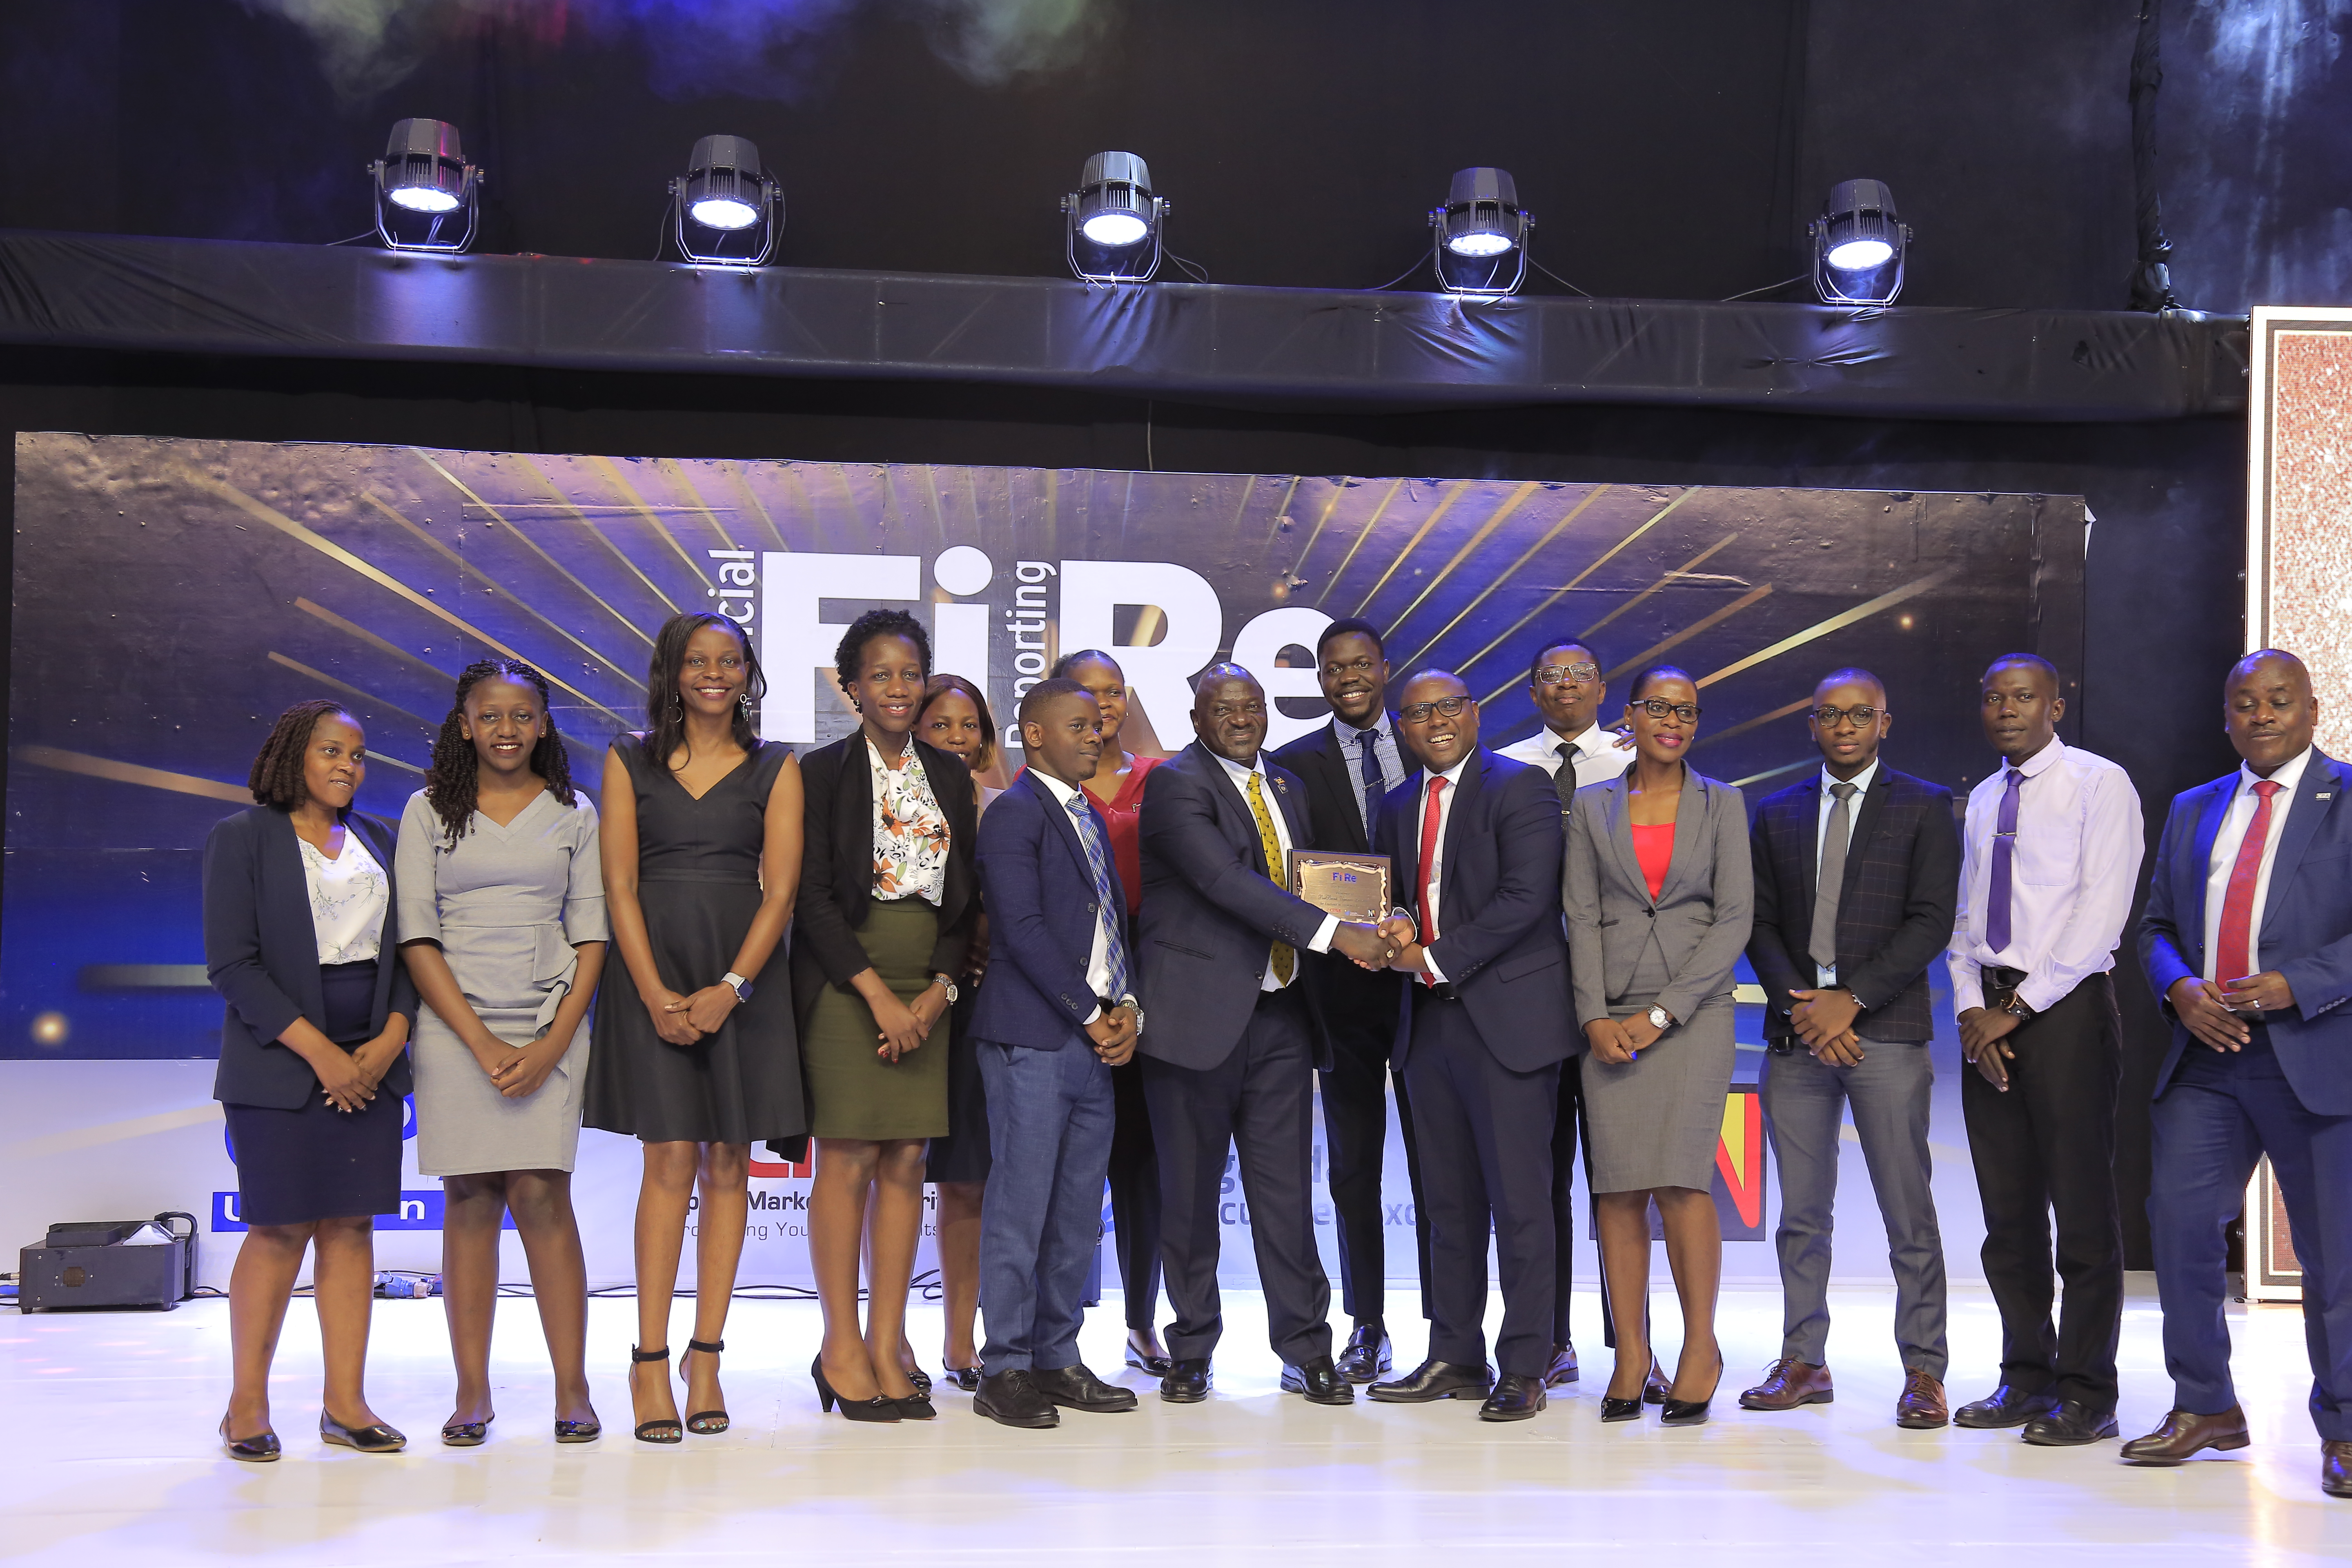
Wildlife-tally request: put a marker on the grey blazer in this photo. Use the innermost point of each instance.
(1699, 924)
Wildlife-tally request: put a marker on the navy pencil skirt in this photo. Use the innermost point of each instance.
(297, 1166)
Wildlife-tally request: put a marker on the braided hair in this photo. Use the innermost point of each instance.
(276, 776)
(452, 784)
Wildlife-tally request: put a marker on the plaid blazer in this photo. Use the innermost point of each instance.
(1894, 913)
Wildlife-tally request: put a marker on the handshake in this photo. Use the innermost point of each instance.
(1393, 943)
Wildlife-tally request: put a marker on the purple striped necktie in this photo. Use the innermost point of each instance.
(2004, 856)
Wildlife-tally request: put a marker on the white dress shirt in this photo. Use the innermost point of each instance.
(1384, 752)
(2226, 844)
(2076, 864)
(1098, 955)
(1434, 874)
(1599, 758)
(1827, 973)
(1281, 873)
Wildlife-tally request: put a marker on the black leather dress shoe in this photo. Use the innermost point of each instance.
(1187, 1382)
(1435, 1379)
(1368, 1353)
(1078, 1388)
(2336, 1469)
(1518, 1396)
(1562, 1368)
(2069, 1425)
(1013, 1399)
(1319, 1381)
(2004, 1406)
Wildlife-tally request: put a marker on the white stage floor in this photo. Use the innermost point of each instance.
(107, 1455)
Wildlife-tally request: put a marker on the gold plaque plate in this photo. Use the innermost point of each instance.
(1352, 887)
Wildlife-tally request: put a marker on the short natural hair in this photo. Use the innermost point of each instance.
(938, 685)
(1350, 626)
(1034, 701)
(1536, 660)
(1657, 672)
(276, 776)
(2031, 661)
(851, 652)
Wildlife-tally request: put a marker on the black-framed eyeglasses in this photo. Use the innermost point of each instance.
(1658, 708)
(1419, 712)
(1568, 675)
(1828, 717)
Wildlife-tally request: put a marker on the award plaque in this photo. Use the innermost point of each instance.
(1352, 887)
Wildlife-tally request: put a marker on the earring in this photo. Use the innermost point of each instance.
(743, 701)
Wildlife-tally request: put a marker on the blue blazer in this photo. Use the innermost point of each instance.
(1499, 940)
(1042, 914)
(2305, 931)
(1211, 916)
(261, 954)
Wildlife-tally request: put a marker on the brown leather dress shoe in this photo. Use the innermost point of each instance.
(1921, 1406)
(2184, 1433)
(1562, 1368)
(1789, 1382)
(2336, 1469)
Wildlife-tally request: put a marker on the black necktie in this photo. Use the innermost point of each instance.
(1563, 778)
(1375, 781)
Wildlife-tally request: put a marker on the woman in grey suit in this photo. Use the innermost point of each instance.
(1659, 898)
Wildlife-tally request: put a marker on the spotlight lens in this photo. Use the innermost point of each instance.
(1861, 255)
(424, 199)
(1117, 230)
(724, 212)
(1480, 245)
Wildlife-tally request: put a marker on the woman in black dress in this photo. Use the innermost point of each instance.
(693, 1048)
(299, 941)
(888, 898)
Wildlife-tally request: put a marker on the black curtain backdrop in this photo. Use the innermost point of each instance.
(2164, 597)
(1669, 151)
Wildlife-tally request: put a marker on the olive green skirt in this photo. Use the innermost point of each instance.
(854, 1092)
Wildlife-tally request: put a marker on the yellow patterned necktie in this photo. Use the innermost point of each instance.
(1286, 961)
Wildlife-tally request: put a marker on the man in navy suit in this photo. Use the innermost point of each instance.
(2248, 941)
(1229, 1060)
(1475, 842)
(1058, 1014)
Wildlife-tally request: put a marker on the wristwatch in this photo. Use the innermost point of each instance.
(2015, 1006)
(737, 984)
(948, 985)
(1660, 1018)
(1129, 1002)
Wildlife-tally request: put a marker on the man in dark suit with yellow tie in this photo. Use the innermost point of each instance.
(1229, 1056)
(2247, 941)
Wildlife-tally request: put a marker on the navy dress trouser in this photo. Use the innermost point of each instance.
(2220, 1114)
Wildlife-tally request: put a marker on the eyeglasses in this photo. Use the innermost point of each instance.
(1568, 675)
(1419, 712)
(1827, 718)
(1658, 708)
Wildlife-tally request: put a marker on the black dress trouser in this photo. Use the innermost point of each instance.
(1355, 1137)
(2047, 1148)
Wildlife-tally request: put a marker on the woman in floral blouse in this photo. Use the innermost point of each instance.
(888, 902)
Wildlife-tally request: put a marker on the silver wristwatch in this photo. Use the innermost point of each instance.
(737, 984)
(1660, 1018)
(947, 983)
(1135, 1006)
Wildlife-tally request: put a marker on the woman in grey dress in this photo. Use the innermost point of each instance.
(503, 928)
(1659, 898)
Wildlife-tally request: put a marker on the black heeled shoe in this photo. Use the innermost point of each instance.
(703, 1422)
(1655, 1388)
(1620, 1409)
(964, 1377)
(1691, 1412)
(377, 1439)
(578, 1431)
(919, 1408)
(466, 1434)
(875, 1409)
(1144, 1360)
(665, 1429)
(920, 1379)
(261, 1449)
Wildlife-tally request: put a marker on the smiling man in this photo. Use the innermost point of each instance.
(1475, 843)
(2053, 848)
(1228, 1060)
(2247, 941)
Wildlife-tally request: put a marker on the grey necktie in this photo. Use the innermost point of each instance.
(1822, 948)
(1563, 778)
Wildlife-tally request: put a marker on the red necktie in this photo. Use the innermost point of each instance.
(2236, 944)
(1430, 813)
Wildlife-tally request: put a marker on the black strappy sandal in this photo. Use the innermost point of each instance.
(703, 1422)
(665, 1431)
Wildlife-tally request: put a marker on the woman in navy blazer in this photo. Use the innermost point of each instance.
(299, 941)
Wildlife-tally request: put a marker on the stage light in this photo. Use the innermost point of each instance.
(1859, 246)
(1481, 235)
(422, 179)
(1114, 221)
(726, 210)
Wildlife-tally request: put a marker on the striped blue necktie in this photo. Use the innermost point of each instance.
(1097, 847)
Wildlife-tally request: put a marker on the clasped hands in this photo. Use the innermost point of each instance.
(684, 1020)
(1825, 1020)
(1113, 1034)
(349, 1079)
(516, 1071)
(2210, 1010)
